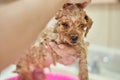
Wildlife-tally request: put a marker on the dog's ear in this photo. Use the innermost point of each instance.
(68, 6)
(55, 28)
(89, 24)
(82, 5)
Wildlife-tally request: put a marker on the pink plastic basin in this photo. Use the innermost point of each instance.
(53, 76)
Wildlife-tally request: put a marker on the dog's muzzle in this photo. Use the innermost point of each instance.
(74, 39)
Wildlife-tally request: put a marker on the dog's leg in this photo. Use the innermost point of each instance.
(83, 71)
(23, 71)
(25, 76)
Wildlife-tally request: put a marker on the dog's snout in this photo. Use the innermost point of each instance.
(74, 38)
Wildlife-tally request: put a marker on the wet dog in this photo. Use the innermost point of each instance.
(71, 25)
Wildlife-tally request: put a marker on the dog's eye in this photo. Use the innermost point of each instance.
(86, 18)
(65, 25)
(82, 26)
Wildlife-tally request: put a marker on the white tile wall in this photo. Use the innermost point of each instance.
(106, 26)
(114, 37)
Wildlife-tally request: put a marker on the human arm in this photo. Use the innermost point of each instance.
(20, 24)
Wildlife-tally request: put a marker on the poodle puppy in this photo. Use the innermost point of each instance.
(71, 25)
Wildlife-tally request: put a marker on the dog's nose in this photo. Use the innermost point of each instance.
(74, 38)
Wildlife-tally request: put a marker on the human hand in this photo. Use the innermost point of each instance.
(78, 1)
(68, 54)
(75, 1)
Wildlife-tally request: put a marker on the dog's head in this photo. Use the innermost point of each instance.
(73, 23)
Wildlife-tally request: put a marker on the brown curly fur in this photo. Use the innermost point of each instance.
(70, 21)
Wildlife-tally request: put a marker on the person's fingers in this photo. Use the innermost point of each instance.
(54, 46)
(67, 61)
(47, 47)
(58, 49)
(63, 50)
(61, 46)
